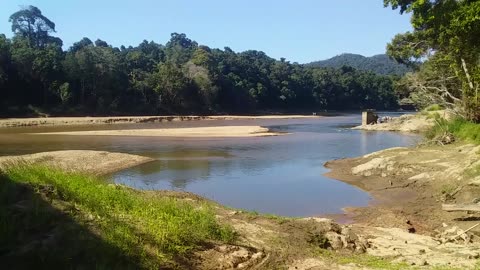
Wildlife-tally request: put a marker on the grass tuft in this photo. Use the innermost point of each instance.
(361, 260)
(460, 128)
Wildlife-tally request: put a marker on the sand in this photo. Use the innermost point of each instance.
(70, 121)
(222, 131)
(86, 161)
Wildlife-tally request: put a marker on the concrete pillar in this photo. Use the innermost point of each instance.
(369, 117)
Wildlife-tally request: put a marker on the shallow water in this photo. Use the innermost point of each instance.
(279, 175)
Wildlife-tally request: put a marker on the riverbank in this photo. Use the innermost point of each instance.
(71, 121)
(409, 186)
(415, 123)
(117, 226)
(259, 242)
(208, 132)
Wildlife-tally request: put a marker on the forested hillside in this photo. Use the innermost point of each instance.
(178, 77)
(380, 64)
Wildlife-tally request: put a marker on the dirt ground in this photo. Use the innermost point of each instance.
(210, 132)
(409, 186)
(69, 121)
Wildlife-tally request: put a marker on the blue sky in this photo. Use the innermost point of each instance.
(299, 30)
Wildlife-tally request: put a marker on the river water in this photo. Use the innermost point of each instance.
(280, 175)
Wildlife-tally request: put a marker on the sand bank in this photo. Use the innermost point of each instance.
(70, 121)
(92, 162)
(222, 131)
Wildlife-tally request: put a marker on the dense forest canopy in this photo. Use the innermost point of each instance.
(444, 50)
(380, 64)
(178, 77)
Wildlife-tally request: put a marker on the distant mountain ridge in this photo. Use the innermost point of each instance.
(380, 64)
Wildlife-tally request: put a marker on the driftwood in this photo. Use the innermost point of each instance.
(461, 207)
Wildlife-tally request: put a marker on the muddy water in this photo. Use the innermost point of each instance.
(280, 175)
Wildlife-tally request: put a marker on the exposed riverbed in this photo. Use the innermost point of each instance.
(281, 175)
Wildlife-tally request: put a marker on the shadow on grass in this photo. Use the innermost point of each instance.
(38, 232)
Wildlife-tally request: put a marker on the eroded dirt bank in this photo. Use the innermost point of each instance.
(69, 121)
(409, 186)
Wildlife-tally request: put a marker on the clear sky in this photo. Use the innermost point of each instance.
(299, 30)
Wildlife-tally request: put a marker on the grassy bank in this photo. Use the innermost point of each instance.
(52, 219)
(458, 127)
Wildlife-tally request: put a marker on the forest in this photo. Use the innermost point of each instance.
(180, 77)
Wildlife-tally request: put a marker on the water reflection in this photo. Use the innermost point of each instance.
(282, 175)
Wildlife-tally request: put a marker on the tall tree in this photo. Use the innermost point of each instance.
(30, 23)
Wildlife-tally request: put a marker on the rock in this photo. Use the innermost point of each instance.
(335, 240)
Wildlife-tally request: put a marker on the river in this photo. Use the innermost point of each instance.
(279, 175)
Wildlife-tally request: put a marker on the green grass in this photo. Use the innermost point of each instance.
(460, 128)
(363, 260)
(100, 225)
(372, 262)
(434, 107)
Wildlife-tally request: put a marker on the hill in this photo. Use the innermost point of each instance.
(380, 64)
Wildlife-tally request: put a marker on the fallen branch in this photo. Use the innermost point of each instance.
(464, 232)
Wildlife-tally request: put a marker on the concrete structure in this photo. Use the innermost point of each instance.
(369, 117)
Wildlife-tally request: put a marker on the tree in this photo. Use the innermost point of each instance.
(30, 23)
(101, 43)
(450, 28)
(435, 83)
(172, 86)
(180, 49)
(5, 59)
(80, 45)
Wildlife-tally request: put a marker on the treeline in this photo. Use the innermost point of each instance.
(178, 77)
